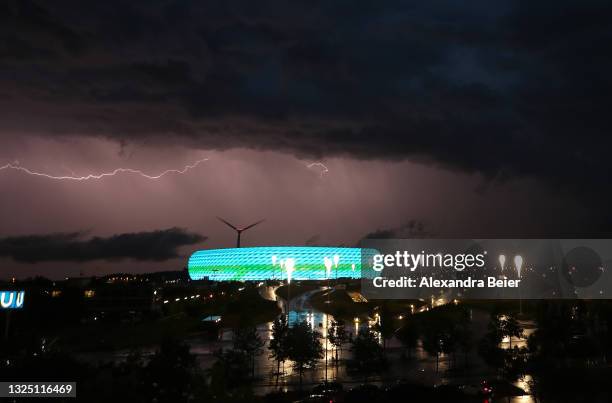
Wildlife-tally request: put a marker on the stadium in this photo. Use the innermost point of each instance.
(277, 262)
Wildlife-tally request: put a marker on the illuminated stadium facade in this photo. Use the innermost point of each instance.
(276, 262)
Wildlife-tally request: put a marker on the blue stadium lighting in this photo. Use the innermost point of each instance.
(11, 299)
(268, 262)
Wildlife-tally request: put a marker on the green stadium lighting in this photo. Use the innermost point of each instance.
(260, 263)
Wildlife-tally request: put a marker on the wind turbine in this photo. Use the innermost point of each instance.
(239, 230)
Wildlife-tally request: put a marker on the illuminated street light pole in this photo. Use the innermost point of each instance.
(328, 265)
(336, 261)
(502, 261)
(518, 263)
(289, 266)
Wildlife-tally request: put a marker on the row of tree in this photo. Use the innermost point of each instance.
(299, 344)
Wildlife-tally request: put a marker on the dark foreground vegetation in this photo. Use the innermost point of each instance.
(565, 359)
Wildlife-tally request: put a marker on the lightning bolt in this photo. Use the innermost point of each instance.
(324, 169)
(103, 175)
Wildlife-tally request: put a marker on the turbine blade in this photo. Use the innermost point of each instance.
(252, 225)
(227, 223)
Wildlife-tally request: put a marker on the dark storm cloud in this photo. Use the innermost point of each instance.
(143, 246)
(500, 88)
(412, 229)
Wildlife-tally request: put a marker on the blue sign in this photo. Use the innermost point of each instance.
(11, 299)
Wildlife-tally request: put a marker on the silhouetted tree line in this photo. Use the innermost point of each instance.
(171, 374)
(566, 358)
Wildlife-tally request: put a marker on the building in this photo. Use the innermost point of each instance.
(277, 262)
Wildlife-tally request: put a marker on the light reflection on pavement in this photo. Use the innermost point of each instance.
(421, 368)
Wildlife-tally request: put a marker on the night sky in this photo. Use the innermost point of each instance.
(433, 118)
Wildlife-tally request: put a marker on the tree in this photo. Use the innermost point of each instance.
(367, 354)
(464, 337)
(495, 329)
(248, 341)
(408, 335)
(385, 324)
(511, 328)
(509, 362)
(337, 336)
(502, 326)
(303, 347)
(278, 345)
(436, 340)
(172, 374)
(229, 372)
(449, 345)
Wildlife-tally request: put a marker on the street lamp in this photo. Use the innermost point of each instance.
(502, 261)
(289, 266)
(518, 263)
(336, 261)
(328, 265)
